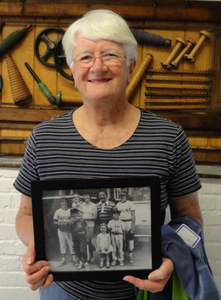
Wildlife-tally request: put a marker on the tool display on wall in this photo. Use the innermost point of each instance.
(54, 47)
(49, 51)
(13, 39)
(41, 85)
(19, 88)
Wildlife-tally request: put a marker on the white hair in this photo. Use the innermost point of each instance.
(100, 24)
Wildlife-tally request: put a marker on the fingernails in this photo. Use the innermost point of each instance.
(47, 268)
(29, 260)
(51, 277)
(153, 277)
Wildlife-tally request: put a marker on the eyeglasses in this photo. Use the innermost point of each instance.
(109, 59)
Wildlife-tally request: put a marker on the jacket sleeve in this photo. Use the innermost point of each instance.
(190, 261)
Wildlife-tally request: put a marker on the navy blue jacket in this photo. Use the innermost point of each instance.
(190, 263)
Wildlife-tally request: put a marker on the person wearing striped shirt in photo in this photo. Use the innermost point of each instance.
(104, 208)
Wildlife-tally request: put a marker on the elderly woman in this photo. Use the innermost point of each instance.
(106, 136)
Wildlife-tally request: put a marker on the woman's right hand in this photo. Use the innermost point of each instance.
(36, 272)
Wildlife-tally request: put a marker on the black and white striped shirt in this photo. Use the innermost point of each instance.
(158, 147)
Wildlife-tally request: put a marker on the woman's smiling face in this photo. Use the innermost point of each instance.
(99, 81)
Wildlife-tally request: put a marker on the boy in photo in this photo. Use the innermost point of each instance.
(117, 231)
(79, 235)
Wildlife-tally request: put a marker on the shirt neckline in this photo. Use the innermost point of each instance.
(111, 149)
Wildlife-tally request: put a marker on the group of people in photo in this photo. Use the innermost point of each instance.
(106, 227)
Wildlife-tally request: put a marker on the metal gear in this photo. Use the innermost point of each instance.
(44, 39)
(60, 62)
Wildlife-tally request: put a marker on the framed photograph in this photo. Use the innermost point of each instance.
(86, 227)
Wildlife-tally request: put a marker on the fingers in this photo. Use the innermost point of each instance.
(156, 280)
(140, 283)
(164, 271)
(48, 281)
(36, 272)
(30, 253)
(39, 277)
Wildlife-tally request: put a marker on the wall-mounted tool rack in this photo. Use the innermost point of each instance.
(188, 93)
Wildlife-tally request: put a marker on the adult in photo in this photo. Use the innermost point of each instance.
(104, 208)
(128, 216)
(89, 213)
(62, 219)
(106, 136)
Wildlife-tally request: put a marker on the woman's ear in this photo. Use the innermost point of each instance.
(74, 80)
(72, 71)
(131, 69)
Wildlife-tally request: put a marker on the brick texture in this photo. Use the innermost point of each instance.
(12, 277)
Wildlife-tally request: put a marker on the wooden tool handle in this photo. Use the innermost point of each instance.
(67, 100)
(136, 78)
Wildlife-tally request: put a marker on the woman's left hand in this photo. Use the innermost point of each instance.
(156, 280)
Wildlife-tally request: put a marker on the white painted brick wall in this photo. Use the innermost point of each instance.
(12, 279)
(210, 203)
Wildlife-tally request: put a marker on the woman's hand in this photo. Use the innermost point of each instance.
(156, 280)
(36, 272)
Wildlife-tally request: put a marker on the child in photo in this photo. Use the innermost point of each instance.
(79, 236)
(104, 245)
(76, 201)
(117, 231)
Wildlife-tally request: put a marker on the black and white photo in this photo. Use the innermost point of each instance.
(95, 226)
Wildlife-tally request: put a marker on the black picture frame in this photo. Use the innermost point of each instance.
(143, 192)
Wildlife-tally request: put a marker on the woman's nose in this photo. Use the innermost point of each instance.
(98, 64)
